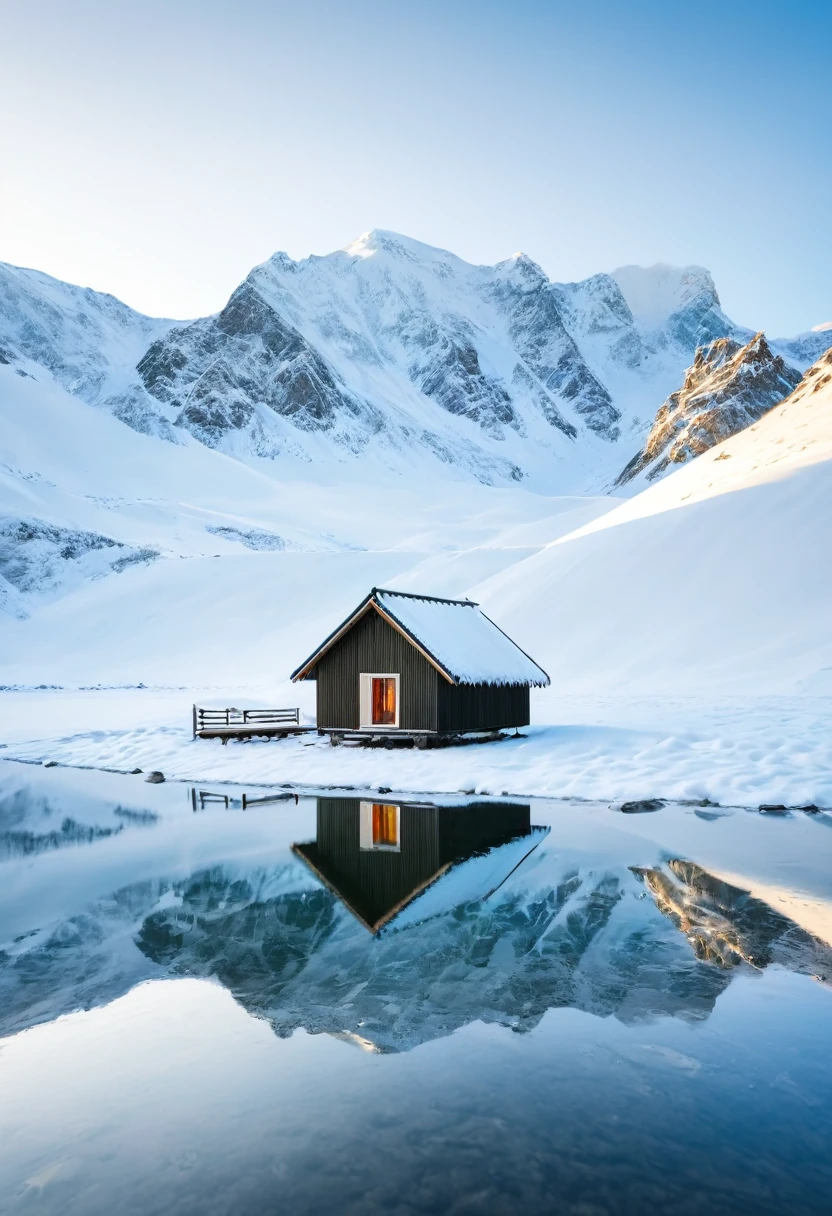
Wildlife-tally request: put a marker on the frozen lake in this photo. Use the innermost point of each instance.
(359, 1003)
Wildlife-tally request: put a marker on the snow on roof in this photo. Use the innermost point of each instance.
(461, 638)
(455, 635)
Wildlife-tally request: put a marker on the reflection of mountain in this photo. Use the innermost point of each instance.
(302, 961)
(728, 926)
(559, 931)
(381, 857)
(31, 823)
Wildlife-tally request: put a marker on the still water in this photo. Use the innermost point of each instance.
(369, 1004)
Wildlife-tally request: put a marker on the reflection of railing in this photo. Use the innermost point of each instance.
(202, 798)
(206, 796)
(241, 723)
(260, 801)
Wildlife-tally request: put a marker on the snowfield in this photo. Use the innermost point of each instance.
(740, 752)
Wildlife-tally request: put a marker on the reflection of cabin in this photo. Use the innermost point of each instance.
(378, 856)
(420, 665)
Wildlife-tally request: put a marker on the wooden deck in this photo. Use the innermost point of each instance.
(233, 723)
(245, 724)
(378, 737)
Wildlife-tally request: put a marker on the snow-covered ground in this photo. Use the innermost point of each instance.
(741, 752)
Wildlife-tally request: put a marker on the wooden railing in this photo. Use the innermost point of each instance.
(212, 719)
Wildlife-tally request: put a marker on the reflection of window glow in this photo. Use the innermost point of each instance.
(380, 827)
(385, 825)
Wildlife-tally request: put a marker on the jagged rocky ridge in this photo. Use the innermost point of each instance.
(728, 387)
(394, 347)
(388, 342)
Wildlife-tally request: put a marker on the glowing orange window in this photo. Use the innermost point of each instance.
(385, 826)
(384, 701)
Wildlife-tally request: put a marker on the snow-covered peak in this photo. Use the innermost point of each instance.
(521, 271)
(381, 240)
(655, 293)
(388, 348)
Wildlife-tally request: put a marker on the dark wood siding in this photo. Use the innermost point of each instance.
(478, 826)
(427, 700)
(481, 706)
(375, 884)
(373, 645)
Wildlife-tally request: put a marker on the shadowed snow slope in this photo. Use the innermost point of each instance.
(718, 577)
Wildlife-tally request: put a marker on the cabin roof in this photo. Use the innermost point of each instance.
(455, 636)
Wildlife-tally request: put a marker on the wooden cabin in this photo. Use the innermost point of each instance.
(420, 665)
(378, 857)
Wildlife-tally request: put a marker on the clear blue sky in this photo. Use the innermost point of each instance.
(159, 150)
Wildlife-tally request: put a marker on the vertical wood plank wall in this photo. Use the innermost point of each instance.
(375, 883)
(428, 701)
(482, 706)
(373, 645)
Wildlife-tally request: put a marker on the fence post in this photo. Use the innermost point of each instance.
(194, 719)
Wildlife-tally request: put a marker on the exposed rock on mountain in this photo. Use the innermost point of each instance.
(39, 558)
(595, 311)
(216, 372)
(817, 377)
(393, 349)
(84, 338)
(530, 304)
(728, 387)
(727, 926)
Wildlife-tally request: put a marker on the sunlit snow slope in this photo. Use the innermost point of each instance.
(719, 577)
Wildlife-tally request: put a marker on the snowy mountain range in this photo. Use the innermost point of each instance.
(389, 415)
(392, 350)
